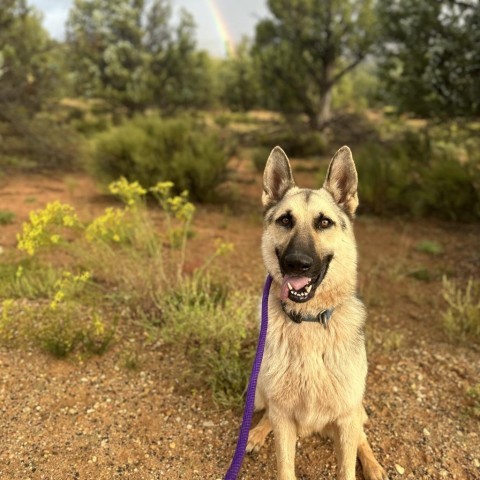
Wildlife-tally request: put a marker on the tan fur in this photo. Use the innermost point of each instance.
(312, 378)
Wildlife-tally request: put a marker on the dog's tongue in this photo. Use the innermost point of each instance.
(296, 282)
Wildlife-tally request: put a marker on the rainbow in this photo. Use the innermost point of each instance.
(222, 27)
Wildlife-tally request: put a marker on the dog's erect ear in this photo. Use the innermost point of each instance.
(342, 181)
(277, 177)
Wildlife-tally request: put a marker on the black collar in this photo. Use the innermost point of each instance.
(323, 317)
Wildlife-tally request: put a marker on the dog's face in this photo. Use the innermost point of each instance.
(308, 244)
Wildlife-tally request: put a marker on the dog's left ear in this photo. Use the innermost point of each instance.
(277, 177)
(342, 181)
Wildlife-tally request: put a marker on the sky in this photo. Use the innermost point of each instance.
(219, 22)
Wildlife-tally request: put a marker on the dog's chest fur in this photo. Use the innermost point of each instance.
(311, 373)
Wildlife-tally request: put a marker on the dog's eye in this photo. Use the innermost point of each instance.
(285, 221)
(325, 223)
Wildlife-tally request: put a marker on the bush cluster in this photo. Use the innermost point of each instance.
(152, 149)
(413, 174)
(296, 142)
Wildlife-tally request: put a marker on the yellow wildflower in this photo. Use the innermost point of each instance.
(37, 232)
(129, 192)
(108, 226)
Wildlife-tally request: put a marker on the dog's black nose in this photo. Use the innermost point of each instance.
(298, 262)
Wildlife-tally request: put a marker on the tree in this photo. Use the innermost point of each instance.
(130, 53)
(105, 50)
(430, 55)
(28, 62)
(31, 80)
(307, 47)
(179, 75)
(240, 79)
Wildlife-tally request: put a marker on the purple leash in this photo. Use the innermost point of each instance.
(252, 385)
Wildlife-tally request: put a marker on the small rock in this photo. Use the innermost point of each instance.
(172, 445)
(208, 424)
(476, 462)
(399, 469)
(426, 432)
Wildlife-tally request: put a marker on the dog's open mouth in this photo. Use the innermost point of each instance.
(302, 289)
(298, 289)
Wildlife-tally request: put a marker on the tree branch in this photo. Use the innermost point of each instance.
(347, 69)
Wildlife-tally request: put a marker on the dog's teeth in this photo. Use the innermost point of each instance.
(309, 288)
(290, 286)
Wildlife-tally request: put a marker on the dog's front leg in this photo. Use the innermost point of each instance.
(285, 432)
(347, 433)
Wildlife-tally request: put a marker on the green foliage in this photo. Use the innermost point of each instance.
(259, 158)
(27, 279)
(422, 274)
(239, 80)
(150, 149)
(29, 70)
(358, 90)
(214, 327)
(31, 80)
(59, 326)
(6, 217)
(430, 59)
(473, 394)
(131, 54)
(392, 341)
(410, 174)
(429, 246)
(461, 319)
(295, 141)
(306, 47)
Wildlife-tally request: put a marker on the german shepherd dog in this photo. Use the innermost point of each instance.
(312, 378)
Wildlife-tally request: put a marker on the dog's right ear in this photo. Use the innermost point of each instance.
(277, 178)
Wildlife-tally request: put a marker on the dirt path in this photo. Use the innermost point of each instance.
(96, 419)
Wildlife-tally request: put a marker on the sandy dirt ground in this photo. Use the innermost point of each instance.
(96, 419)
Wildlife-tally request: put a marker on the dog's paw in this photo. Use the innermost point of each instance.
(374, 471)
(256, 440)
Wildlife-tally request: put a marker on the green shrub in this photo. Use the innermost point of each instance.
(38, 142)
(429, 246)
(90, 124)
(473, 394)
(449, 191)
(410, 174)
(27, 279)
(295, 142)
(6, 217)
(216, 330)
(59, 326)
(461, 319)
(259, 158)
(151, 149)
